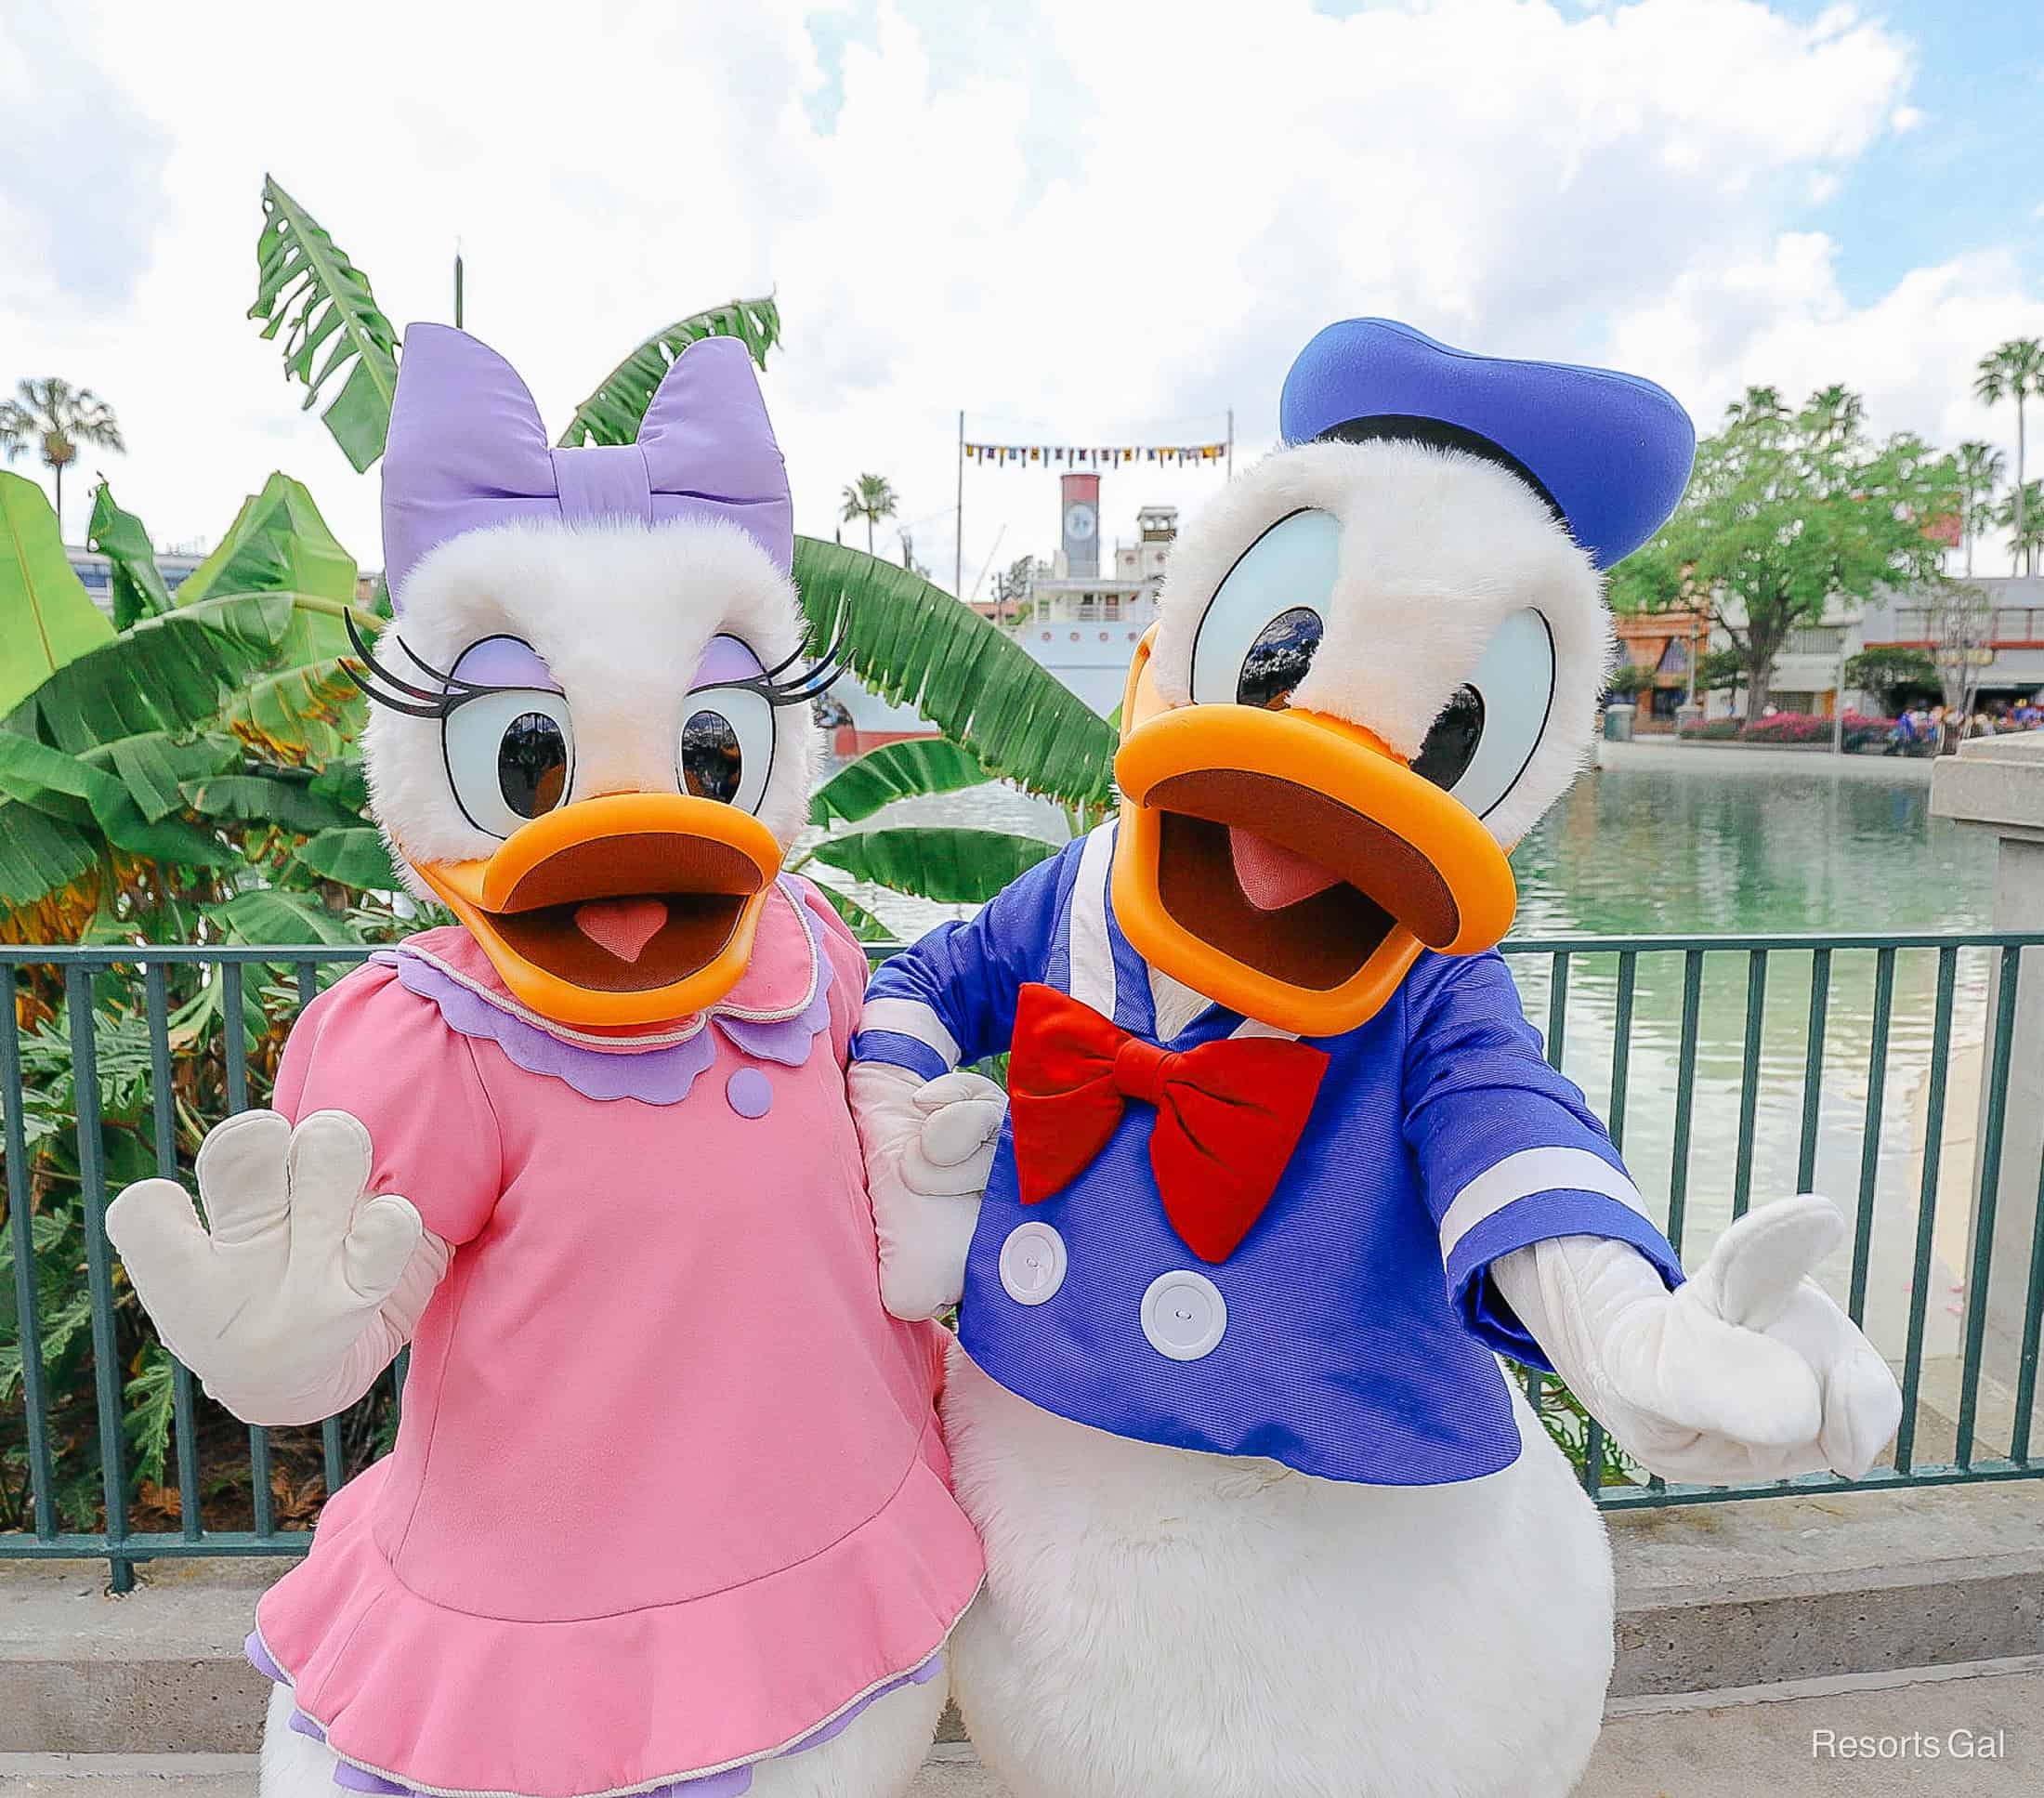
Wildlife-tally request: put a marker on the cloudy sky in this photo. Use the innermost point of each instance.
(1078, 220)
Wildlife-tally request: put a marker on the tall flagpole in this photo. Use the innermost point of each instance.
(958, 561)
(457, 284)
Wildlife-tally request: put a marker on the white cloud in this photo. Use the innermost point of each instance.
(1092, 222)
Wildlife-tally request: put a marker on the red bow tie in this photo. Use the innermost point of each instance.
(1228, 1113)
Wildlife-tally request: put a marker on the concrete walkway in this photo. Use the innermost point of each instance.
(1663, 754)
(1978, 1732)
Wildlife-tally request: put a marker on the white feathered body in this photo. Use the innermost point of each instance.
(1156, 1621)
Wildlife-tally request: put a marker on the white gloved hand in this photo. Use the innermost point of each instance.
(929, 1146)
(1747, 1372)
(300, 1291)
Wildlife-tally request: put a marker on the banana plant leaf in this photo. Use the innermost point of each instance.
(308, 289)
(915, 643)
(903, 770)
(72, 790)
(138, 582)
(303, 715)
(171, 673)
(865, 925)
(40, 855)
(612, 412)
(951, 865)
(266, 915)
(343, 782)
(46, 618)
(356, 856)
(155, 766)
(267, 799)
(278, 543)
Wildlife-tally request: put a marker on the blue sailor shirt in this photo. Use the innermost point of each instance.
(1351, 1334)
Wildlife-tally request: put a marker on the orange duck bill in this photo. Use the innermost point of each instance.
(620, 912)
(1288, 864)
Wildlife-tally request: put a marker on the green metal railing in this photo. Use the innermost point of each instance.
(1637, 1007)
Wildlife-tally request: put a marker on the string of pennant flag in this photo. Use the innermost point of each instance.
(1000, 454)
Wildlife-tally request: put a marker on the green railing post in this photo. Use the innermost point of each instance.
(92, 1186)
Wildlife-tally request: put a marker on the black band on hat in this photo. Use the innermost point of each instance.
(1409, 427)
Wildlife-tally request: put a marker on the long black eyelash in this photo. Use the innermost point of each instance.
(807, 683)
(413, 702)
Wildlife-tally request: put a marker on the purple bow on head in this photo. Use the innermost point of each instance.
(466, 451)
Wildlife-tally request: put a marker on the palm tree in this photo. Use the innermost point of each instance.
(1835, 413)
(56, 418)
(2022, 515)
(1981, 466)
(871, 497)
(2012, 371)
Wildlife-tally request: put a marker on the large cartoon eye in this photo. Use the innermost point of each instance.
(1262, 626)
(1488, 731)
(727, 746)
(510, 756)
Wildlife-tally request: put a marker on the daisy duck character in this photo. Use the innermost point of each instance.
(668, 1510)
(1284, 1170)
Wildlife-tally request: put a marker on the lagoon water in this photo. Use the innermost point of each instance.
(1656, 847)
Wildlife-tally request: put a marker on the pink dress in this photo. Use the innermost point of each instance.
(668, 1494)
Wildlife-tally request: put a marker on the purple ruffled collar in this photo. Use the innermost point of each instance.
(658, 1068)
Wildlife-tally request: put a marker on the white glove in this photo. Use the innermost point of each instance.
(1747, 1372)
(302, 1292)
(929, 1146)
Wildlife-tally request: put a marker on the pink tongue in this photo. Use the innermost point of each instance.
(1273, 877)
(623, 926)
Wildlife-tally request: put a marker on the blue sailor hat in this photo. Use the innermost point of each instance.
(1609, 453)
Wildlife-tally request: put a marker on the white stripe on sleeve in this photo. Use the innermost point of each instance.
(1531, 1170)
(911, 1017)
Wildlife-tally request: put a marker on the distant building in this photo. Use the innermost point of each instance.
(2015, 632)
(95, 572)
(1082, 623)
(1811, 663)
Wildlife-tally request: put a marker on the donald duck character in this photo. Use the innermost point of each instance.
(1283, 1170)
(667, 1512)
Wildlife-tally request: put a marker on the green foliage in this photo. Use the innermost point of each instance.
(138, 588)
(1786, 514)
(903, 770)
(612, 412)
(1628, 678)
(308, 289)
(1886, 673)
(915, 643)
(46, 618)
(953, 867)
(1719, 671)
(1569, 1426)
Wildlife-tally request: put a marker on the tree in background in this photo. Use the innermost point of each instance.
(2012, 371)
(56, 418)
(1961, 629)
(1787, 512)
(1721, 672)
(1013, 585)
(871, 497)
(1629, 680)
(1981, 466)
(1892, 675)
(2022, 516)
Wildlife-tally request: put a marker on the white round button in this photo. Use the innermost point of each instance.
(1032, 1263)
(1183, 1315)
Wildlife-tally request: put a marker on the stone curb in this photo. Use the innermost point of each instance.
(1710, 1598)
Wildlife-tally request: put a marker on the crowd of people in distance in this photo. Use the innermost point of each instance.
(1930, 730)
